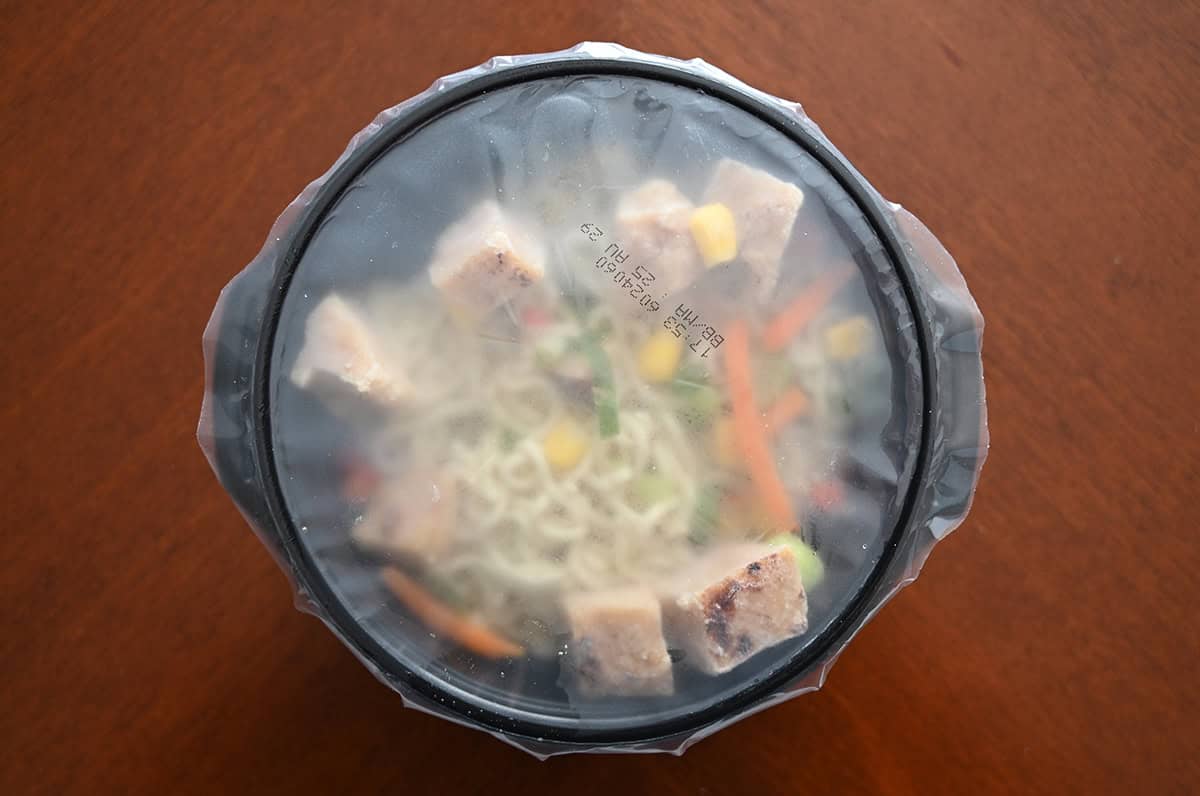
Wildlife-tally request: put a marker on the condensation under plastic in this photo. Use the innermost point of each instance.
(953, 380)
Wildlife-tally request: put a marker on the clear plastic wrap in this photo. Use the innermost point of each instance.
(594, 400)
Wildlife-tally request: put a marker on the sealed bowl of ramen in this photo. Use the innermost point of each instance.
(594, 400)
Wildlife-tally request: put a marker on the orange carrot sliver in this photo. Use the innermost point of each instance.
(751, 431)
(792, 319)
(476, 637)
(787, 407)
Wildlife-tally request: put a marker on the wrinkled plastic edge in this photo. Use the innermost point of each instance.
(960, 440)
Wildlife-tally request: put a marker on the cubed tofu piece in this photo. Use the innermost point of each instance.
(653, 223)
(734, 602)
(617, 646)
(764, 209)
(342, 351)
(413, 517)
(485, 259)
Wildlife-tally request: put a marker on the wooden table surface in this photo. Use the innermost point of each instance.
(149, 643)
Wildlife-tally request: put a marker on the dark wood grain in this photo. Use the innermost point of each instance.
(149, 643)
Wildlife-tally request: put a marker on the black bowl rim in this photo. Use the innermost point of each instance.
(305, 570)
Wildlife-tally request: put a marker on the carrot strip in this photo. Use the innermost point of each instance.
(803, 308)
(476, 637)
(750, 429)
(787, 407)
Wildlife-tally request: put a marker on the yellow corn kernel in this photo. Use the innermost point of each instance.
(658, 358)
(847, 339)
(564, 445)
(715, 233)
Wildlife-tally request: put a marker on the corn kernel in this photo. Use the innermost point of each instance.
(658, 358)
(715, 233)
(849, 338)
(564, 445)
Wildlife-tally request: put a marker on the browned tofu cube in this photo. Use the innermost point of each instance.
(341, 351)
(485, 259)
(413, 517)
(617, 646)
(652, 223)
(764, 210)
(734, 602)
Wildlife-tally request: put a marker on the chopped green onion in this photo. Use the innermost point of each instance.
(692, 372)
(698, 401)
(808, 561)
(650, 488)
(604, 389)
(704, 515)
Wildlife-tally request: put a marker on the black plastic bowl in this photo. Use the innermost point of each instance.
(245, 455)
